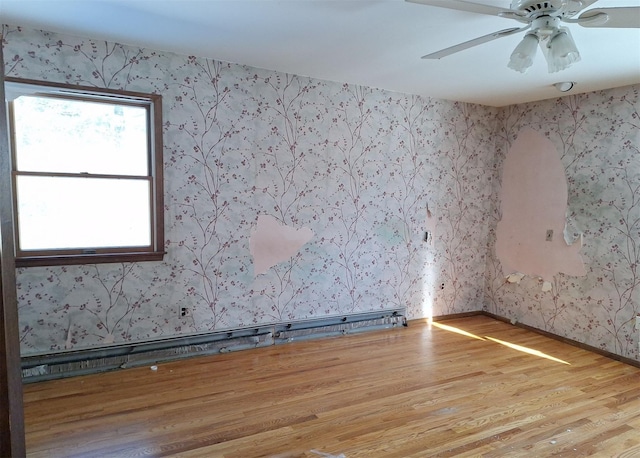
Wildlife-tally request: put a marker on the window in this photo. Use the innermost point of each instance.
(87, 174)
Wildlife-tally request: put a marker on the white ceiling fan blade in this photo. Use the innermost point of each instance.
(623, 17)
(573, 7)
(474, 42)
(470, 7)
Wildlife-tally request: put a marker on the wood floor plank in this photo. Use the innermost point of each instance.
(473, 387)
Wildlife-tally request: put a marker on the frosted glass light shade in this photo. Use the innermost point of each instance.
(562, 52)
(522, 57)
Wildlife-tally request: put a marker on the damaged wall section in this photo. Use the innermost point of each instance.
(533, 200)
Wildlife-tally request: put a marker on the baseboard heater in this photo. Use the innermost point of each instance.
(313, 329)
(82, 362)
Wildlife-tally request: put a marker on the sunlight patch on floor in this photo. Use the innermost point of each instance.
(527, 350)
(513, 346)
(456, 330)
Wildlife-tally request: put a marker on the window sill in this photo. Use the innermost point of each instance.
(65, 260)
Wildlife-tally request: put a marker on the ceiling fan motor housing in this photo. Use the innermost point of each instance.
(535, 8)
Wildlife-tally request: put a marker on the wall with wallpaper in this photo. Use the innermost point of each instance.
(361, 168)
(597, 136)
(357, 166)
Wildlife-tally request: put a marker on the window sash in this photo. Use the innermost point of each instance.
(144, 247)
(74, 156)
(67, 213)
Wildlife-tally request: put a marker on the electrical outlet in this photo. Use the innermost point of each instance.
(549, 236)
(638, 322)
(184, 311)
(441, 285)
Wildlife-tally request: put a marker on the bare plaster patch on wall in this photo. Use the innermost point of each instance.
(530, 236)
(272, 243)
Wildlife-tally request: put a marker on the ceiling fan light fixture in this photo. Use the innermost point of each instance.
(522, 57)
(562, 51)
(542, 19)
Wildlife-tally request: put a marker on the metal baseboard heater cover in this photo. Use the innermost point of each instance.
(347, 325)
(83, 362)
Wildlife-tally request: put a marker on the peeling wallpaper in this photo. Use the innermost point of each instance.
(533, 205)
(598, 138)
(368, 172)
(356, 166)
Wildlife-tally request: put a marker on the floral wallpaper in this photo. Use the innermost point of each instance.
(368, 172)
(357, 166)
(598, 137)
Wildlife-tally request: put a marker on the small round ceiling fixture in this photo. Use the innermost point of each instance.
(564, 86)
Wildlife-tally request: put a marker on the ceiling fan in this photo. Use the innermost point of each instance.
(542, 23)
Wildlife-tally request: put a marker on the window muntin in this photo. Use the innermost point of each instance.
(87, 176)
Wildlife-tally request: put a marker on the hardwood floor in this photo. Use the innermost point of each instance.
(419, 391)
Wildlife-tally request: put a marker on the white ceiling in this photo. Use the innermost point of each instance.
(371, 43)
